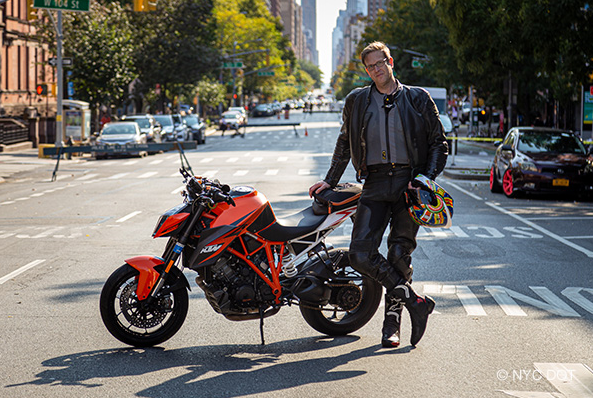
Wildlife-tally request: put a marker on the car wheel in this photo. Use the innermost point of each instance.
(201, 138)
(508, 185)
(495, 186)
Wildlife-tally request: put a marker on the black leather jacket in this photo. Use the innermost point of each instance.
(424, 133)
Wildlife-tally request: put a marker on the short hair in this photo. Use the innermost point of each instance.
(375, 46)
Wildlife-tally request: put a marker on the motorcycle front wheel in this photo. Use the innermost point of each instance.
(134, 322)
(336, 319)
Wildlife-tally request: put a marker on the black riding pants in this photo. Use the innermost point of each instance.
(383, 203)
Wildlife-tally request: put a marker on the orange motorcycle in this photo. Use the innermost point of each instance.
(249, 265)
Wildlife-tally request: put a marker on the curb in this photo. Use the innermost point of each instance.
(468, 174)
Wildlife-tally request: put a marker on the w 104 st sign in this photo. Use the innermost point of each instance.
(67, 5)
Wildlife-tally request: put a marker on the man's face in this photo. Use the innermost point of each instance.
(379, 68)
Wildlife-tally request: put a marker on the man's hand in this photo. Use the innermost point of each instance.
(318, 187)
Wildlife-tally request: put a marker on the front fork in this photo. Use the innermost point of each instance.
(150, 280)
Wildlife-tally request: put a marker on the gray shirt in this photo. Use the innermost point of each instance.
(385, 137)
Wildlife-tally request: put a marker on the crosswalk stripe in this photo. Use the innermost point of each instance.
(271, 172)
(157, 161)
(86, 177)
(206, 160)
(240, 173)
(148, 174)
(132, 214)
(117, 176)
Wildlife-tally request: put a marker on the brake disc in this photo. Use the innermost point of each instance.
(139, 317)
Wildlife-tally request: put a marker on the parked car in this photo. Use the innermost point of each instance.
(197, 128)
(148, 125)
(241, 110)
(538, 159)
(262, 110)
(478, 112)
(174, 129)
(120, 133)
(231, 120)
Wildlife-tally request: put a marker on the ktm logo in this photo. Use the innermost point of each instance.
(210, 249)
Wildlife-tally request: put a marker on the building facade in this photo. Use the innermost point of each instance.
(23, 66)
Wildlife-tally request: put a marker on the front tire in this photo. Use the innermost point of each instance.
(338, 322)
(133, 323)
(495, 186)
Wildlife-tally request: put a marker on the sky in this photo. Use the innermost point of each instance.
(327, 12)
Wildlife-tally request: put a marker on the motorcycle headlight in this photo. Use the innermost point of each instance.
(528, 166)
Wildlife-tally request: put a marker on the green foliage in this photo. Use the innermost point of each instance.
(313, 71)
(210, 92)
(102, 71)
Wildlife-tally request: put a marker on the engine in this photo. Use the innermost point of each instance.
(234, 289)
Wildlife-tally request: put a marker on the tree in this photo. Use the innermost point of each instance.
(210, 94)
(312, 70)
(101, 47)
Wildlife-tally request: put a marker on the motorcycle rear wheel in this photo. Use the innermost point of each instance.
(129, 321)
(336, 321)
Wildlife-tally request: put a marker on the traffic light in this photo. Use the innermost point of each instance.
(32, 13)
(41, 89)
(145, 5)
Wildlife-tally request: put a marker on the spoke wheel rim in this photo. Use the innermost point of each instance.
(507, 183)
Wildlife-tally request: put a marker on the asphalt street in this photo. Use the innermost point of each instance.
(513, 282)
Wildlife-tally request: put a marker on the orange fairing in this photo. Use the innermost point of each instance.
(236, 215)
(148, 275)
(171, 223)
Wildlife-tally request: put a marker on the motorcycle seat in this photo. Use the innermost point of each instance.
(293, 226)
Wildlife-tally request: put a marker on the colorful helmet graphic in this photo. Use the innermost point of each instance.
(430, 205)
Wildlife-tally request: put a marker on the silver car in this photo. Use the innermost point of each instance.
(116, 135)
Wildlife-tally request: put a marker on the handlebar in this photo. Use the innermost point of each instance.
(211, 191)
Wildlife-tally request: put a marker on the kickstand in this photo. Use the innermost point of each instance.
(261, 326)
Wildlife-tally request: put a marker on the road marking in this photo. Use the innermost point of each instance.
(240, 173)
(282, 159)
(86, 177)
(206, 160)
(553, 304)
(304, 172)
(552, 235)
(8, 202)
(157, 161)
(130, 162)
(232, 160)
(117, 176)
(125, 218)
(20, 270)
(176, 191)
(572, 380)
(468, 299)
(476, 197)
(257, 159)
(574, 294)
(210, 173)
(271, 172)
(148, 174)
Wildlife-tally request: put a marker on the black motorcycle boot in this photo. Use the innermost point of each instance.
(391, 323)
(418, 307)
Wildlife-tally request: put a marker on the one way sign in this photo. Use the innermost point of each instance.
(65, 61)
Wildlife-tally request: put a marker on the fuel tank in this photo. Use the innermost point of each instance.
(251, 207)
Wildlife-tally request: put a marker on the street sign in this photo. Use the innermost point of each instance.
(232, 65)
(265, 73)
(66, 5)
(416, 63)
(65, 61)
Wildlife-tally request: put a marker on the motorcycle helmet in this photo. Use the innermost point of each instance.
(429, 205)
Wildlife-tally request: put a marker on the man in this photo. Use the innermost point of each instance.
(391, 132)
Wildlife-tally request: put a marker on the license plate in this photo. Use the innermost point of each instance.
(560, 182)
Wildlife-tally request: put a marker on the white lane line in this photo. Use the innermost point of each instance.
(117, 176)
(158, 161)
(571, 379)
(257, 159)
(125, 218)
(240, 173)
(37, 194)
(232, 160)
(20, 270)
(86, 177)
(210, 173)
(282, 159)
(176, 191)
(304, 172)
(148, 175)
(544, 231)
(272, 172)
(130, 162)
(206, 160)
(468, 193)
(9, 202)
(470, 301)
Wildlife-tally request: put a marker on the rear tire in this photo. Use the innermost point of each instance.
(339, 322)
(126, 318)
